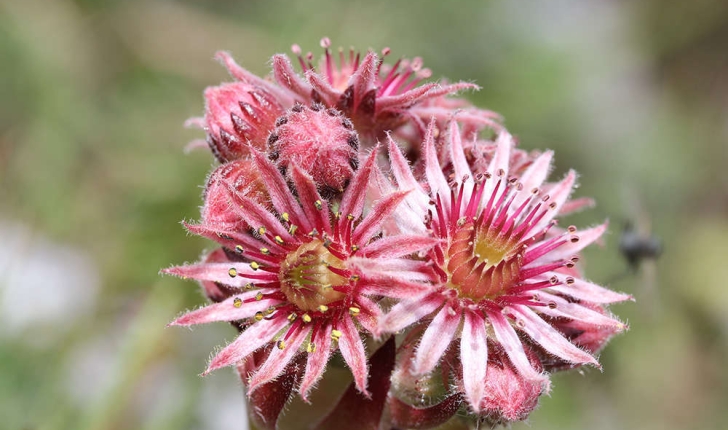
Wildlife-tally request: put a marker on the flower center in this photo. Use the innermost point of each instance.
(306, 279)
(482, 264)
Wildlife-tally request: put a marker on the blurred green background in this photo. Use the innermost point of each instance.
(94, 182)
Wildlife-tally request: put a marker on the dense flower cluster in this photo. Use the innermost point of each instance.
(329, 242)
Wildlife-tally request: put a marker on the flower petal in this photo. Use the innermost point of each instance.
(436, 339)
(399, 246)
(408, 312)
(352, 349)
(250, 340)
(549, 338)
(474, 358)
(278, 359)
(575, 311)
(235, 308)
(372, 224)
(584, 238)
(353, 199)
(508, 338)
(316, 363)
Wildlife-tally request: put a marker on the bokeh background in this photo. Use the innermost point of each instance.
(94, 182)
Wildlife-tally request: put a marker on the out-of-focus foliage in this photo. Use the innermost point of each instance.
(94, 182)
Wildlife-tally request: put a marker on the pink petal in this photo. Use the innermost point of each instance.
(557, 196)
(533, 177)
(436, 339)
(363, 80)
(410, 417)
(224, 237)
(278, 359)
(569, 249)
(575, 311)
(369, 314)
(474, 358)
(316, 363)
(329, 94)
(257, 216)
(407, 271)
(406, 99)
(286, 76)
(245, 76)
(457, 154)
(399, 246)
(499, 164)
(353, 199)
(226, 310)
(250, 340)
(352, 349)
(309, 197)
(585, 290)
(508, 338)
(576, 205)
(372, 224)
(433, 171)
(215, 272)
(403, 173)
(408, 312)
(281, 197)
(549, 338)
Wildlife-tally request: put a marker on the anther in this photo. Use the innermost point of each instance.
(354, 248)
(279, 240)
(281, 344)
(553, 280)
(520, 323)
(552, 305)
(232, 272)
(259, 316)
(354, 278)
(237, 302)
(571, 229)
(249, 286)
(292, 229)
(254, 265)
(350, 217)
(574, 239)
(318, 204)
(501, 172)
(306, 318)
(552, 205)
(239, 249)
(311, 348)
(354, 311)
(569, 280)
(335, 334)
(259, 296)
(535, 191)
(323, 308)
(264, 251)
(269, 311)
(285, 216)
(261, 231)
(292, 317)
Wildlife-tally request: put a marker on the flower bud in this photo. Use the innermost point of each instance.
(240, 176)
(237, 115)
(322, 142)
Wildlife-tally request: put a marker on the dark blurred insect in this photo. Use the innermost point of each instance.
(641, 249)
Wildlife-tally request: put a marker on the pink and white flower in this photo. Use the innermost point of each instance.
(305, 272)
(502, 269)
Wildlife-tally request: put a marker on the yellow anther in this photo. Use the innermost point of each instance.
(259, 316)
(354, 278)
(279, 241)
(350, 217)
(354, 248)
(261, 231)
(354, 311)
(249, 286)
(232, 272)
(323, 308)
(311, 348)
(326, 287)
(318, 204)
(254, 265)
(284, 215)
(337, 215)
(281, 344)
(335, 334)
(292, 317)
(292, 229)
(269, 311)
(264, 251)
(239, 249)
(237, 302)
(259, 296)
(306, 318)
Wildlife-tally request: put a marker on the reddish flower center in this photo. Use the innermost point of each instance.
(306, 279)
(481, 264)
